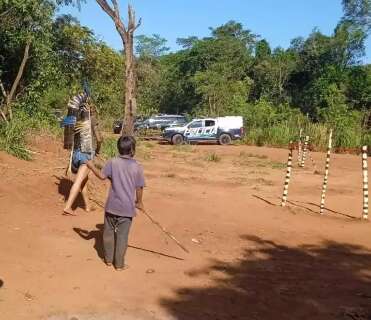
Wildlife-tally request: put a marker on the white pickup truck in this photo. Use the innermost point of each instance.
(222, 130)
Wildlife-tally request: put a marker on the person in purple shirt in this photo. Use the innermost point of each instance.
(125, 195)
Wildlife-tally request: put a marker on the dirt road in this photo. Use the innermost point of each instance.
(250, 259)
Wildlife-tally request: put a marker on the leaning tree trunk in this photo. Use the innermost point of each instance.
(6, 112)
(130, 87)
(127, 36)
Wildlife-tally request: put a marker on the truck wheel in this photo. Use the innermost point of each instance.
(225, 139)
(177, 139)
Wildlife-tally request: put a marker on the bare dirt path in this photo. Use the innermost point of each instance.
(248, 260)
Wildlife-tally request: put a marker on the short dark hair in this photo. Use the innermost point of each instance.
(126, 145)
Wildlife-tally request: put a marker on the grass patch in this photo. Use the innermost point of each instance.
(147, 144)
(109, 148)
(244, 154)
(277, 165)
(13, 137)
(183, 148)
(213, 157)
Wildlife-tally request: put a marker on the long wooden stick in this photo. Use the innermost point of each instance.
(154, 222)
(365, 182)
(165, 231)
(325, 178)
(287, 178)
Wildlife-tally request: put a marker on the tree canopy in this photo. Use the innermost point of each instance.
(231, 71)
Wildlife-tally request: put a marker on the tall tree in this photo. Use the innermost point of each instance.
(358, 12)
(127, 36)
(150, 47)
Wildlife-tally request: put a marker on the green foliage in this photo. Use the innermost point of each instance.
(316, 84)
(358, 12)
(109, 148)
(13, 139)
(150, 47)
(13, 135)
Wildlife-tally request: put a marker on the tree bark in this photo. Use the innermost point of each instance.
(127, 36)
(6, 109)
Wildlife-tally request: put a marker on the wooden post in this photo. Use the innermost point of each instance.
(365, 182)
(300, 147)
(325, 179)
(305, 150)
(288, 176)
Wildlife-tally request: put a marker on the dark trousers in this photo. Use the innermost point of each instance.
(115, 238)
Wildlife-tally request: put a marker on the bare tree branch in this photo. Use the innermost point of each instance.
(3, 90)
(116, 8)
(2, 114)
(138, 24)
(18, 78)
(107, 8)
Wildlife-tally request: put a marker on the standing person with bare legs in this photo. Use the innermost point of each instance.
(85, 143)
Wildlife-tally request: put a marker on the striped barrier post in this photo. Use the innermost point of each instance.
(305, 150)
(300, 147)
(325, 179)
(287, 178)
(365, 182)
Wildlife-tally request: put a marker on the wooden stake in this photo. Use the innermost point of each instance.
(365, 182)
(325, 179)
(287, 178)
(305, 150)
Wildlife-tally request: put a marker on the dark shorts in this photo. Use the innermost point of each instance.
(79, 158)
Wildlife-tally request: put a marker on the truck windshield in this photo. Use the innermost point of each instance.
(195, 124)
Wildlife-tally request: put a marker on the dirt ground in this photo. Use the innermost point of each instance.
(249, 258)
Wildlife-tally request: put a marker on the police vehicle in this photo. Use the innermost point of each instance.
(222, 130)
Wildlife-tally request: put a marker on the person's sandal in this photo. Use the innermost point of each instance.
(125, 267)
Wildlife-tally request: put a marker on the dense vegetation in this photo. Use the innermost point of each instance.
(316, 83)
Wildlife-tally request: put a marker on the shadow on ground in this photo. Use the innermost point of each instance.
(64, 187)
(273, 281)
(97, 235)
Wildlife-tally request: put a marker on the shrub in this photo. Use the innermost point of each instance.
(212, 157)
(13, 137)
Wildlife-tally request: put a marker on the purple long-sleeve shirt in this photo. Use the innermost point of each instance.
(126, 175)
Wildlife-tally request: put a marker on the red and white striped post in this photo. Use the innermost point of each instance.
(365, 182)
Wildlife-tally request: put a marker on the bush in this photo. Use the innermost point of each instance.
(109, 148)
(13, 138)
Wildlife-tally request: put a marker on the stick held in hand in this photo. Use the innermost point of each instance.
(165, 231)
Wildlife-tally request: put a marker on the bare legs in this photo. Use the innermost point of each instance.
(85, 194)
(79, 185)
